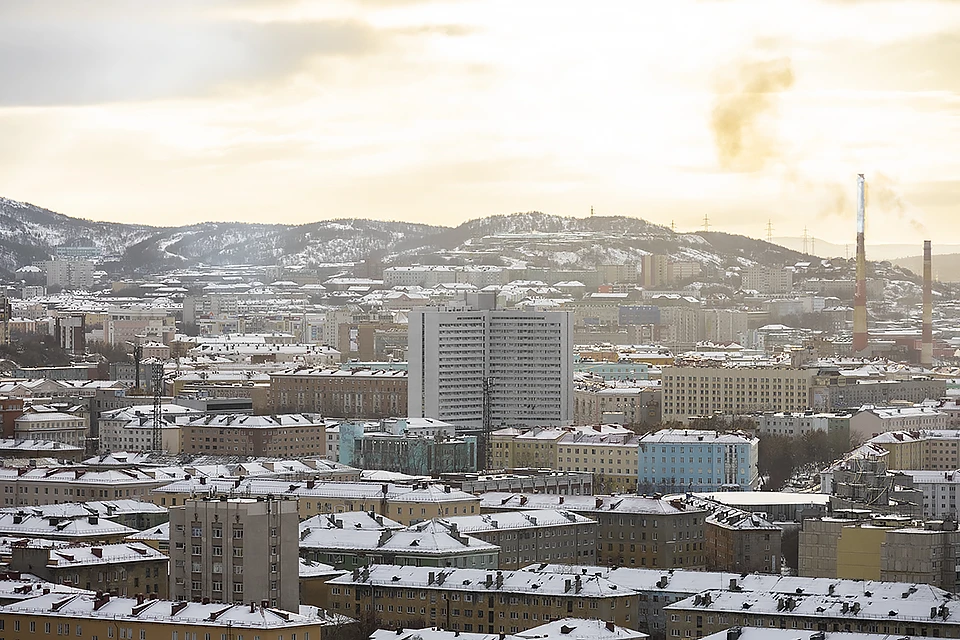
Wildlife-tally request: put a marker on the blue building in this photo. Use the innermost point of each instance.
(680, 460)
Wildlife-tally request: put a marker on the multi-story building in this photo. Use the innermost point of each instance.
(70, 332)
(69, 274)
(413, 454)
(724, 325)
(705, 391)
(129, 513)
(74, 529)
(908, 613)
(477, 599)
(433, 543)
(800, 424)
(291, 435)
(611, 458)
(635, 531)
(32, 449)
(104, 616)
(407, 504)
(870, 421)
(539, 447)
(131, 324)
(763, 279)
(53, 485)
(737, 540)
(888, 548)
(122, 569)
(356, 393)
(52, 426)
(833, 392)
(516, 363)
(235, 550)
(677, 460)
(636, 404)
(536, 536)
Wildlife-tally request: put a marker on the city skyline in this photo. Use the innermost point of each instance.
(443, 111)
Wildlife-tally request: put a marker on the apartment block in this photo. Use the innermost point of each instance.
(356, 393)
(763, 279)
(518, 363)
(871, 421)
(887, 548)
(52, 426)
(291, 435)
(636, 405)
(478, 600)
(632, 531)
(611, 458)
(92, 616)
(433, 543)
(407, 504)
(53, 485)
(533, 537)
(690, 392)
(677, 460)
(122, 569)
(236, 550)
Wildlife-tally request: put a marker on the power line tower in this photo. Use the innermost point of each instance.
(157, 404)
(770, 231)
(591, 211)
(706, 222)
(673, 226)
(806, 239)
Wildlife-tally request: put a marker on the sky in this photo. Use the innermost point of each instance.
(440, 111)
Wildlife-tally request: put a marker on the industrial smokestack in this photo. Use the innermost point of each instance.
(926, 346)
(860, 296)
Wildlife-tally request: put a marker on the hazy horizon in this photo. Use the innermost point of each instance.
(440, 111)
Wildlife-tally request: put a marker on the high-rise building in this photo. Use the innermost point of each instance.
(236, 550)
(472, 365)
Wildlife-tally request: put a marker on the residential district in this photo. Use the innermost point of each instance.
(663, 450)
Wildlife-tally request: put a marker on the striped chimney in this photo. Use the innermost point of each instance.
(926, 346)
(860, 296)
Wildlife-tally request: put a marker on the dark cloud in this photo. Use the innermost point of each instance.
(738, 113)
(114, 60)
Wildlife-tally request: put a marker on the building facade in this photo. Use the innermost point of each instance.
(705, 391)
(677, 460)
(236, 550)
(516, 363)
(357, 393)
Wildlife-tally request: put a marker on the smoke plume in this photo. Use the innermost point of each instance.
(737, 120)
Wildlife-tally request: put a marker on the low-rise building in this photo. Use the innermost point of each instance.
(799, 424)
(122, 569)
(528, 537)
(638, 403)
(740, 541)
(29, 449)
(611, 458)
(53, 485)
(137, 514)
(91, 529)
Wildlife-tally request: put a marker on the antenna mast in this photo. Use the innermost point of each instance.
(157, 404)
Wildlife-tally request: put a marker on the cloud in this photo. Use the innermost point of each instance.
(109, 60)
(737, 121)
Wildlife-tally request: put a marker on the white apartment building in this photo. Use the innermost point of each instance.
(939, 490)
(69, 274)
(519, 361)
(431, 275)
(870, 421)
(763, 279)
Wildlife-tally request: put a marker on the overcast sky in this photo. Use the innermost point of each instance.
(440, 111)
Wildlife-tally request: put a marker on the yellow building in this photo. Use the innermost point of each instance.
(89, 617)
(858, 552)
(611, 458)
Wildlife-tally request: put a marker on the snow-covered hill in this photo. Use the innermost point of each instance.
(29, 233)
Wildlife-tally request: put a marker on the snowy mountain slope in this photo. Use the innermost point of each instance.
(29, 233)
